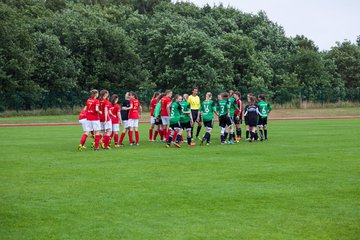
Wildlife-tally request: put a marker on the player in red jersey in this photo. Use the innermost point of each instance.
(153, 103)
(165, 115)
(93, 120)
(135, 110)
(82, 121)
(115, 119)
(105, 120)
(238, 115)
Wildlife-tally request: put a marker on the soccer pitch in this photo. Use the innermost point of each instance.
(304, 183)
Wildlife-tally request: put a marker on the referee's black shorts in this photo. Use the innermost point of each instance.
(194, 114)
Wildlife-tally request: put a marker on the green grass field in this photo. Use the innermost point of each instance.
(302, 184)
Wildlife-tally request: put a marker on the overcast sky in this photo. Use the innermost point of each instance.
(323, 21)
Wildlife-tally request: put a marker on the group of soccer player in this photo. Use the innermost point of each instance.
(170, 116)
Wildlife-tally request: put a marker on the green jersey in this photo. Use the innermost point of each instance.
(208, 109)
(185, 117)
(232, 106)
(265, 108)
(175, 112)
(157, 110)
(223, 107)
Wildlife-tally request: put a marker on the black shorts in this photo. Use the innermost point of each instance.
(237, 121)
(186, 125)
(209, 124)
(224, 121)
(194, 114)
(175, 126)
(158, 121)
(246, 120)
(262, 121)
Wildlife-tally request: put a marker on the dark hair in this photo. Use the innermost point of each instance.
(93, 93)
(195, 87)
(262, 97)
(156, 94)
(225, 95)
(167, 92)
(252, 99)
(175, 97)
(131, 93)
(102, 93)
(238, 93)
(231, 92)
(113, 98)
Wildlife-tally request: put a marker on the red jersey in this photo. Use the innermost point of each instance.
(240, 110)
(134, 112)
(115, 110)
(82, 115)
(91, 113)
(104, 103)
(164, 103)
(152, 106)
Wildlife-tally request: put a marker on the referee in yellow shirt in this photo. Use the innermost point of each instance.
(194, 101)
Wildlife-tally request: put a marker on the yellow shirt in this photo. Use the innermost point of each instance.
(194, 102)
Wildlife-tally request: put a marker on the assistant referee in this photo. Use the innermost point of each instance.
(194, 101)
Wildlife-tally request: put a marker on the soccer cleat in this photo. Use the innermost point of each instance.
(191, 144)
(177, 145)
(238, 138)
(116, 145)
(167, 145)
(102, 145)
(107, 148)
(131, 144)
(250, 140)
(231, 142)
(202, 141)
(92, 145)
(223, 143)
(96, 149)
(261, 139)
(121, 145)
(137, 144)
(80, 147)
(207, 144)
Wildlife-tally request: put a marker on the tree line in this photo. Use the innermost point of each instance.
(53, 52)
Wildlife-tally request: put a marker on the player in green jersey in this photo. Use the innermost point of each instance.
(265, 109)
(206, 112)
(223, 111)
(186, 120)
(175, 110)
(233, 107)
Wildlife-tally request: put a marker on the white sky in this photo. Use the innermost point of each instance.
(323, 21)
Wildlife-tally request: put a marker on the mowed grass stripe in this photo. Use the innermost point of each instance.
(302, 184)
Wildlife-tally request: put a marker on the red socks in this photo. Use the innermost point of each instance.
(97, 141)
(155, 134)
(150, 134)
(137, 137)
(131, 137)
(83, 139)
(116, 138)
(122, 138)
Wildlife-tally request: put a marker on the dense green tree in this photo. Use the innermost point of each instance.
(53, 52)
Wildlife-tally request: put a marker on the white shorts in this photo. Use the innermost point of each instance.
(93, 125)
(133, 123)
(125, 123)
(106, 125)
(165, 120)
(83, 124)
(115, 127)
(152, 120)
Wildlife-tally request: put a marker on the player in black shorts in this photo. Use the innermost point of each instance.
(251, 113)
